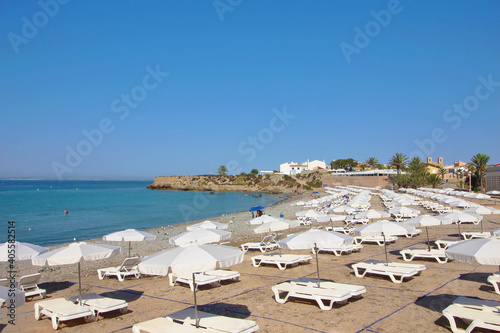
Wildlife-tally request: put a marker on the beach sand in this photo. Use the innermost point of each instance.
(414, 305)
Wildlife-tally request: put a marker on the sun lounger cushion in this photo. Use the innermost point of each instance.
(215, 322)
(324, 297)
(59, 309)
(397, 274)
(100, 304)
(354, 290)
(282, 261)
(411, 253)
(223, 275)
(417, 267)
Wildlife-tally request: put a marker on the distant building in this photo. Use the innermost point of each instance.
(493, 178)
(315, 165)
(292, 168)
(266, 172)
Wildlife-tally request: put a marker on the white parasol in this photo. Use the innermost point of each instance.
(200, 236)
(207, 225)
(129, 235)
(75, 253)
(20, 251)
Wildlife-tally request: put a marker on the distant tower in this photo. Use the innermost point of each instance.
(440, 161)
(429, 159)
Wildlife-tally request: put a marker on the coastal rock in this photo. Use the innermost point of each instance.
(276, 183)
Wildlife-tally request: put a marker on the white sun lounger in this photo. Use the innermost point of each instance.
(375, 239)
(200, 280)
(495, 281)
(100, 304)
(165, 325)
(127, 268)
(338, 251)
(353, 289)
(264, 245)
(475, 234)
(324, 297)
(29, 284)
(345, 229)
(443, 244)
(412, 253)
(417, 267)
(480, 314)
(214, 322)
(397, 274)
(224, 275)
(59, 309)
(281, 261)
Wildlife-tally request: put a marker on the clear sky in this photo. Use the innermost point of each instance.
(137, 89)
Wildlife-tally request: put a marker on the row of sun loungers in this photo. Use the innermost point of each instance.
(60, 309)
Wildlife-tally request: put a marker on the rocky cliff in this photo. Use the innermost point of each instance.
(243, 183)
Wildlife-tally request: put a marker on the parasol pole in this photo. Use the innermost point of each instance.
(385, 248)
(80, 283)
(317, 263)
(428, 242)
(129, 248)
(195, 304)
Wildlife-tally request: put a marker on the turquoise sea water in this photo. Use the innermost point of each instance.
(97, 208)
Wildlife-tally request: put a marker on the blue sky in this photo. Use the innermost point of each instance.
(181, 87)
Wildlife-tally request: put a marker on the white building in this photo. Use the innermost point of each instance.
(292, 168)
(315, 165)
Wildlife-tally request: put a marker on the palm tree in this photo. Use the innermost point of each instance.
(417, 166)
(434, 180)
(372, 162)
(442, 171)
(471, 169)
(398, 160)
(480, 161)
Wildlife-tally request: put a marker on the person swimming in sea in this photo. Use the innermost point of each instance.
(65, 211)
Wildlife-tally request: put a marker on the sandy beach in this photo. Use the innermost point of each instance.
(414, 305)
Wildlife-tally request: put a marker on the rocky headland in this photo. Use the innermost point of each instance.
(275, 183)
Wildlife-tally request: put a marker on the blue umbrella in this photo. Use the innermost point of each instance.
(254, 208)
